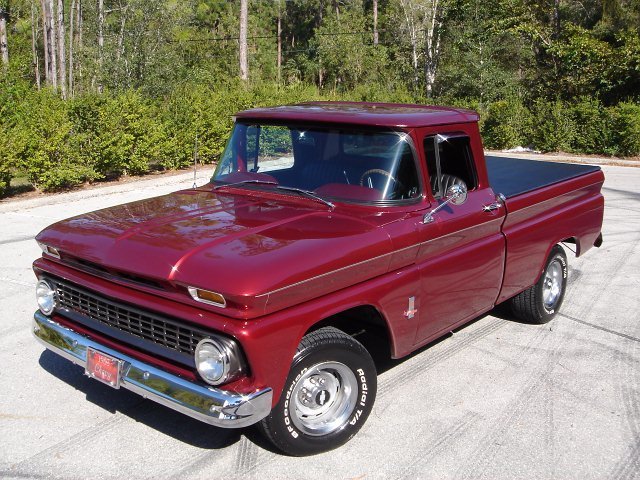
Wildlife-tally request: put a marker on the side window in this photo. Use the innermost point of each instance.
(274, 146)
(456, 161)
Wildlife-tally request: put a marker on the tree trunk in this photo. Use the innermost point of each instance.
(320, 13)
(432, 49)
(79, 23)
(62, 60)
(409, 15)
(34, 43)
(53, 43)
(244, 68)
(72, 13)
(50, 38)
(79, 26)
(423, 23)
(4, 46)
(100, 43)
(45, 43)
(556, 19)
(279, 61)
(375, 22)
(123, 22)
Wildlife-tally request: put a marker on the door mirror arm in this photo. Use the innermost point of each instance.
(456, 195)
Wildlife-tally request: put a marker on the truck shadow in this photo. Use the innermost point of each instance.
(376, 341)
(194, 432)
(171, 423)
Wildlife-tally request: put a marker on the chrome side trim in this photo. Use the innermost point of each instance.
(306, 280)
(379, 257)
(207, 404)
(585, 187)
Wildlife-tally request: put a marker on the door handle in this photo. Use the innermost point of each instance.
(491, 207)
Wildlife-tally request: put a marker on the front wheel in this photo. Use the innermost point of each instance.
(328, 395)
(540, 303)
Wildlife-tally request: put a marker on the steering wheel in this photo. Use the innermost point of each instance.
(388, 192)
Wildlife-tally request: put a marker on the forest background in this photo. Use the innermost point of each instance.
(97, 89)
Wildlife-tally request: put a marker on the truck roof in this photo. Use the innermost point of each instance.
(361, 113)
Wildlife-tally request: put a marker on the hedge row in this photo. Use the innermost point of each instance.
(61, 144)
(585, 126)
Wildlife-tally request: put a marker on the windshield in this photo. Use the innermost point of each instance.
(336, 163)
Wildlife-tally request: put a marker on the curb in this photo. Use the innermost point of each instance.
(559, 157)
(179, 181)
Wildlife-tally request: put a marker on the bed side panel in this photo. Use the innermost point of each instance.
(538, 220)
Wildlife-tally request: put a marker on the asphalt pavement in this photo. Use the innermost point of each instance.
(497, 399)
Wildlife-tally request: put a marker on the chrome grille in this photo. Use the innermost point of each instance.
(128, 319)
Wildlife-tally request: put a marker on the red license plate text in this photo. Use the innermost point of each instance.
(103, 367)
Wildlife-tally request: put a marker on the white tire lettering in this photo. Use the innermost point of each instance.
(356, 417)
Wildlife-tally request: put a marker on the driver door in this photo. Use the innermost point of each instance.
(461, 254)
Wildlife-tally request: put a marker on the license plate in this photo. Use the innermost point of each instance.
(103, 367)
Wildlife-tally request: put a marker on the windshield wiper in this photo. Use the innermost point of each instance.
(279, 187)
(308, 194)
(262, 182)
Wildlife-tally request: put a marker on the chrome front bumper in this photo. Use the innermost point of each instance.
(207, 404)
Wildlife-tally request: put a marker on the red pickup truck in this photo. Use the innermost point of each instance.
(326, 227)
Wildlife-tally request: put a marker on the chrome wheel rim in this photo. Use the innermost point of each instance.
(552, 286)
(324, 398)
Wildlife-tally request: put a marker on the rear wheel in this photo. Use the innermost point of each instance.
(541, 302)
(328, 395)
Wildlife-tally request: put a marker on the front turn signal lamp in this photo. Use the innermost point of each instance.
(207, 296)
(49, 250)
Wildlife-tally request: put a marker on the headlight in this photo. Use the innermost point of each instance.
(218, 360)
(46, 297)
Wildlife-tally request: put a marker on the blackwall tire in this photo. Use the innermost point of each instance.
(541, 302)
(328, 395)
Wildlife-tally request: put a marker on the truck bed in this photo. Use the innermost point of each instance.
(514, 176)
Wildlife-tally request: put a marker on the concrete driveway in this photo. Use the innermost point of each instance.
(497, 399)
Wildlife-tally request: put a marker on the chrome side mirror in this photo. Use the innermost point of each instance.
(456, 194)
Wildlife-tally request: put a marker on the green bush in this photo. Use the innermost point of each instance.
(5, 168)
(507, 124)
(61, 144)
(208, 113)
(5, 177)
(198, 110)
(554, 129)
(129, 138)
(38, 141)
(13, 91)
(593, 127)
(625, 129)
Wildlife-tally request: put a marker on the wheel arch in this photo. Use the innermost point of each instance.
(571, 240)
(367, 325)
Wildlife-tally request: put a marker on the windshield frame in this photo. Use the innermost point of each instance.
(342, 128)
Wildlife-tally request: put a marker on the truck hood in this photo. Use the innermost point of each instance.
(261, 253)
